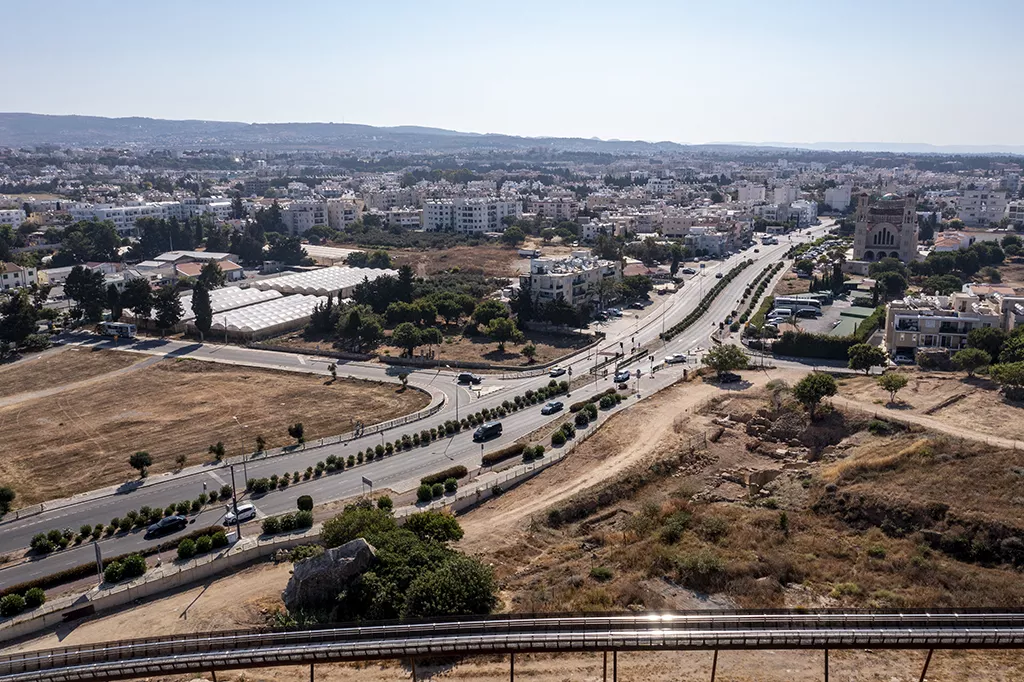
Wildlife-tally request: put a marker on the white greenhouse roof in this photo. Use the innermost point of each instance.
(279, 313)
(228, 298)
(322, 282)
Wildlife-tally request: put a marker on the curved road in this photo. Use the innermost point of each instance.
(400, 472)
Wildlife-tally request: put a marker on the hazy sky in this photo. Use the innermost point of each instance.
(937, 71)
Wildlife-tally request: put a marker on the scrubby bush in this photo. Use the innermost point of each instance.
(219, 539)
(114, 572)
(423, 493)
(601, 573)
(582, 418)
(271, 525)
(451, 485)
(133, 566)
(287, 522)
(558, 438)
(204, 543)
(304, 503)
(186, 549)
(384, 502)
(303, 519)
(226, 491)
(35, 597)
(456, 472)
(12, 605)
(437, 490)
(41, 544)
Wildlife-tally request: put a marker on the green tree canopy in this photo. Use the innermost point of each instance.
(725, 358)
(814, 388)
(168, 308)
(406, 336)
(892, 382)
(502, 330)
(137, 297)
(202, 308)
(863, 356)
(86, 288)
(488, 310)
(988, 339)
(434, 525)
(971, 360)
(211, 276)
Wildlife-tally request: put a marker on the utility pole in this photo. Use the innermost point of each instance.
(234, 501)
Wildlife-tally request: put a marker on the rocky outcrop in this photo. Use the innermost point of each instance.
(316, 582)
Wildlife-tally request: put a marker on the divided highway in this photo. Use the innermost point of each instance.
(400, 472)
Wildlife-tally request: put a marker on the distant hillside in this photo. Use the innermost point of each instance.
(18, 129)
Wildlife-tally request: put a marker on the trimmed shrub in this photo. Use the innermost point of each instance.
(304, 503)
(303, 519)
(186, 549)
(12, 605)
(451, 485)
(437, 490)
(424, 494)
(271, 525)
(35, 597)
(385, 502)
(582, 418)
(133, 566)
(113, 572)
(558, 438)
(219, 539)
(287, 522)
(204, 544)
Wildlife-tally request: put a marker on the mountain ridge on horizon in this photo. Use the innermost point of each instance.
(29, 129)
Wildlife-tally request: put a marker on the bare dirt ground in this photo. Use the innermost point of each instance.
(947, 401)
(493, 260)
(791, 284)
(61, 366)
(171, 408)
(1012, 273)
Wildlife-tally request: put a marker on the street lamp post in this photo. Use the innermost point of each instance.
(234, 502)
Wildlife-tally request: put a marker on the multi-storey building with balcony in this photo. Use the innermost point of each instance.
(555, 208)
(981, 206)
(304, 214)
(409, 218)
(343, 212)
(575, 280)
(943, 322)
(14, 276)
(468, 215)
(12, 216)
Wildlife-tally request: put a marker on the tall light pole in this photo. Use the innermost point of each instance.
(234, 502)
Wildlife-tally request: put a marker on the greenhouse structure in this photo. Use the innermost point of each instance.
(338, 281)
(265, 319)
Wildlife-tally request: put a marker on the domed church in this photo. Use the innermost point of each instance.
(886, 228)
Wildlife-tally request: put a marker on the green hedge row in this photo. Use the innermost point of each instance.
(823, 346)
(455, 472)
(501, 455)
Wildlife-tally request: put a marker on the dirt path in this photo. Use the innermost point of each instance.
(63, 364)
(626, 439)
(931, 423)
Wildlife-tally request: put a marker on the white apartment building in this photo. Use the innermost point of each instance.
(218, 207)
(661, 186)
(12, 216)
(555, 208)
(590, 231)
(575, 280)
(676, 225)
(383, 199)
(1015, 212)
(705, 240)
(124, 216)
(935, 322)
(785, 194)
(343, 212)
(304, 214)
(805, 211)
(838, 198)
(750, 193)
(981, 206)
(468, 215)
(409, 218)
(13, 276)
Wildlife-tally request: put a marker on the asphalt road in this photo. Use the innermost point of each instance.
(400, 472)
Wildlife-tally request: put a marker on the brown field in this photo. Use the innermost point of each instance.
(791, 284)
(974, 404)
(66, 365)
(171, 408)
(1012, 273)
(493, 260)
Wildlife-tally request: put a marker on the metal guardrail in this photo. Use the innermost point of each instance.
(197, 652)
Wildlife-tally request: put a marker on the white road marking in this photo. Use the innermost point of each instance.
(302, 360)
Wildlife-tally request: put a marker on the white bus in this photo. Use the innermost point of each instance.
(797, 302)
(121, 330)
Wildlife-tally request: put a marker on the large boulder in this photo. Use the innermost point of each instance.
(317, 581)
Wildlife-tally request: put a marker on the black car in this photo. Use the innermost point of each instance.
(729, 377)
(487, 431)
(167, 524)
(468, 378)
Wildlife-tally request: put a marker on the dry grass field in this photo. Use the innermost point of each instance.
(80, 439)
(493, 260)
(65, 366)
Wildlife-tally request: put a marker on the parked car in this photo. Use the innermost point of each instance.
(718, 275)
(757, 250)
(639, 305)
(622, 376)
(675, 359)
(469, 378)
(552, 407)
(601, 317)
(556, 371)
(246, 512)
(168, 524)
(689, 271)
(614, 312)
(902, 359)
(487, 431)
